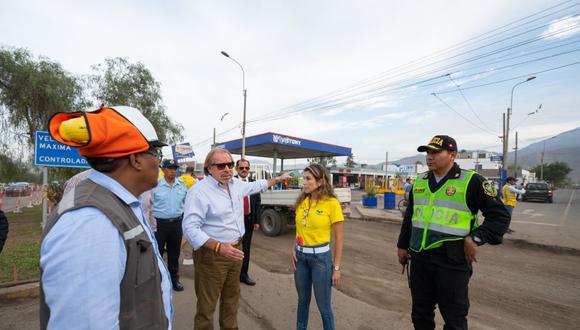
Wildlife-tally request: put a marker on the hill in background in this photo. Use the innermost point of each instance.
(564, 147)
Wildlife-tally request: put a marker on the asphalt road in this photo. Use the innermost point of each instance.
(552, 224)
(517, 285)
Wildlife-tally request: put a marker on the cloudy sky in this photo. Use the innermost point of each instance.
(375, 76)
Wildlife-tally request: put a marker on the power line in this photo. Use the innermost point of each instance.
(365, 94)
(469, 105)
(462, 116)
(350, 96)
(513, 78)
(381, 76)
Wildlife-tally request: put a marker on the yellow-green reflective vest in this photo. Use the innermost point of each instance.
(509, 197)
(442, 215)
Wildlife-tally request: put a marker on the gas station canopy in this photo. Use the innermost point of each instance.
(284, 147)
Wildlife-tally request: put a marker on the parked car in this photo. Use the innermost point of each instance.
(540, 191)
(18, 189)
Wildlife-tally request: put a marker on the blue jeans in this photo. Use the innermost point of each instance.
(510, 209)
(314, 270)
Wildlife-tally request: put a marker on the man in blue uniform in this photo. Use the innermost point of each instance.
(168, 198)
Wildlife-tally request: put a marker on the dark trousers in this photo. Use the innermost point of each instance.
(246, 243)
(432, 283)
(169, 234)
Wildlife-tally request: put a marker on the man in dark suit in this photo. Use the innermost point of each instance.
(252, 207)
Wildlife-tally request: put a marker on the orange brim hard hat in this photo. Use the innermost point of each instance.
(106, 132)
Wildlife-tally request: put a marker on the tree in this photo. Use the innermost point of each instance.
(555, 172)
(31, 90)
(350, 161)
(324, 161)
(119, 82)
(14, 171)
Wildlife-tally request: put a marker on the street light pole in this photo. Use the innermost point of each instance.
(245, 95)
(516, 158)
(507, 126)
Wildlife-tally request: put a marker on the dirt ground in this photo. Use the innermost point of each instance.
(514, 285)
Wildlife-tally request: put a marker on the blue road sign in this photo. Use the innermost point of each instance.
(48, 152)
(496, 158)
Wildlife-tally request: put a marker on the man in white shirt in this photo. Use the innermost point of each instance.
(213, 224)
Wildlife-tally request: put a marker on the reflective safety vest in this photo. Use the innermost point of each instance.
(442, 215)
(508, 197)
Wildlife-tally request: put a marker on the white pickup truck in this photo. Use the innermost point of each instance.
(278, 205)
(278, 208)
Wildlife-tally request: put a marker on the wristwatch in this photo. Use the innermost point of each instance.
(477, 240)
(337, 268)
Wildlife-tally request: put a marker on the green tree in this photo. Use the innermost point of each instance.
(31, 90)
(350, 161)
(15, 171)
(324, 161)
(118, 82)
(555, 172)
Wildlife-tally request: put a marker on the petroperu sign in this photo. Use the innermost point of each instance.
(285, 140)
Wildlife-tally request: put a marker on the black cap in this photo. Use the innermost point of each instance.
(169, 163)
(439, 143)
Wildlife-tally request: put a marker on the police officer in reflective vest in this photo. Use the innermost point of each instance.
(440, 234)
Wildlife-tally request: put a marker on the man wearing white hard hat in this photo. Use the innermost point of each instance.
(100, 264)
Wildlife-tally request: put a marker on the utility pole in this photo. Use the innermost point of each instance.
(504, 154)
(516, 158)
(386, 170)
(506, 140)
(542, 162)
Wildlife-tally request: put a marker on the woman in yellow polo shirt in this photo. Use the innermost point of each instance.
(318, 214)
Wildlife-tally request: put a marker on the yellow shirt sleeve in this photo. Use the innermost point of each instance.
(335, 211)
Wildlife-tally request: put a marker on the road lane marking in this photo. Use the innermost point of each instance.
(531, 212)
(537, 223)
(565, 216)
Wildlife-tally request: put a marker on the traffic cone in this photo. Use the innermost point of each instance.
(18, 204)
(30, 201)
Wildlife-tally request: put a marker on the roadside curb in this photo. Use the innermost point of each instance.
(379, 215)
(556, 249)
(28, 290)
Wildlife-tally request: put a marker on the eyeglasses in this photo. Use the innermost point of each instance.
(244, 168)
(222, 166)
(155, 153)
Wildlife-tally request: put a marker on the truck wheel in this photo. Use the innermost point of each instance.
(283, 225)
(271, 222)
